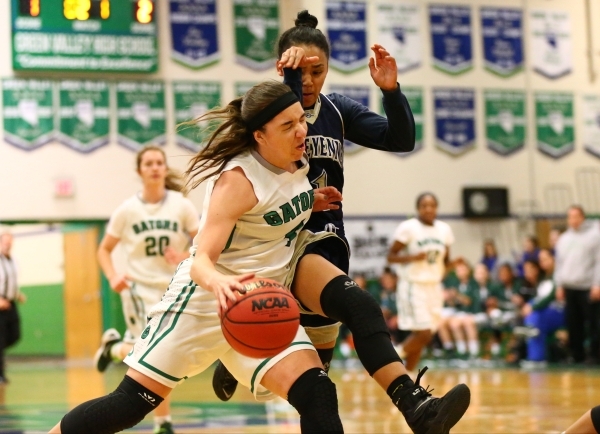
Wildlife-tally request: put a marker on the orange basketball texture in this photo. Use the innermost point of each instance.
(264, 321)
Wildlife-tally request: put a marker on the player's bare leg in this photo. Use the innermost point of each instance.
(589, 423)
(413, 347)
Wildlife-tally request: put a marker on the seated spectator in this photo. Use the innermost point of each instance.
(530, 252)
(490, 256)
(492, 299)
(506, 286)
(461, 300)
(388, 282)
(543, 315)
(532, 276)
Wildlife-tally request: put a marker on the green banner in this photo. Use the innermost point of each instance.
(83, 35)
(414, 96)
(505, 120)
(256, 32)
(140, 114)
(554, 123)
(191, 100)
(241, 87)
(28, 112)
(83, 114)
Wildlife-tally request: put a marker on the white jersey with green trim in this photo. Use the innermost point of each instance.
(263, 239)
(433, 240)
(146, 229)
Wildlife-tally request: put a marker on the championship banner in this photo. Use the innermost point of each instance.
(191, 100)
(505, 120)
(347, 33)
(551, 46)
(83, 114)
(241, 87)
(194, 32)
(256, 32)
(28, 112)
(502, 31)
(140, 114)
(555, 129)
(451, 38)
(359, 94)
(414, 96)
(369, 240)
(591, 124)
(398, 26)
(454, 119)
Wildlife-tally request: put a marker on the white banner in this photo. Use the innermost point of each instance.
(370, 240)
(591, 123)
(551, 46)
(398, 26)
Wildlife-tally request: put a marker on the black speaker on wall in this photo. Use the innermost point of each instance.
(485, 202)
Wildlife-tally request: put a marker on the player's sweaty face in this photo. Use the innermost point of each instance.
(313, 76)
(153, 167)
(283, 136)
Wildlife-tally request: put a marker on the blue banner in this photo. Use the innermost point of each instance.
(359, 94)
(194, 32)
(502, 31)
(451, 38)
(347, 32)
(454, 111)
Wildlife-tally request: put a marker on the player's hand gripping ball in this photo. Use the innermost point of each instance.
(263, 321)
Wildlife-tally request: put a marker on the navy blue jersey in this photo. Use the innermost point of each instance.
(335, 117)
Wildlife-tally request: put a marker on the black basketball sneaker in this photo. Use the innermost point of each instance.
(224, 384)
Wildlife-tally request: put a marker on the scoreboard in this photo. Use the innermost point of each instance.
(84, 35)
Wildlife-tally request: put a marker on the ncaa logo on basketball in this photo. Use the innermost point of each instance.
(269, 303)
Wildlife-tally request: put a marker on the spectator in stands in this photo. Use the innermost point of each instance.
(553, 236)
(490, 256)
(532, 276)
(577, 278)
(461, 299)
(496, 308)
(388, 282)
(531, 250)
(543, 315)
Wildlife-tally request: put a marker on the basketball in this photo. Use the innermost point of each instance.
(263, 321)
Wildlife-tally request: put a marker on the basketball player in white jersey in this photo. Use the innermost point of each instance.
(154, 227)
(421, 249)
(258, 199)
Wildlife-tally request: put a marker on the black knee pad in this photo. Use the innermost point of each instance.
(344, 301)
(595, 413)
(314, 396)
(124, 408)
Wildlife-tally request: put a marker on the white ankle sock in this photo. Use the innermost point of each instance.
(461, 347)
(474, 348)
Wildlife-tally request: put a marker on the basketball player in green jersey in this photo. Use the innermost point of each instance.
(256, 168)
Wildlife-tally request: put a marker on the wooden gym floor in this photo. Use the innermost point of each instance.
(503, 400)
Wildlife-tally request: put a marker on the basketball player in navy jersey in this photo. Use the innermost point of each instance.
(304, 52)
